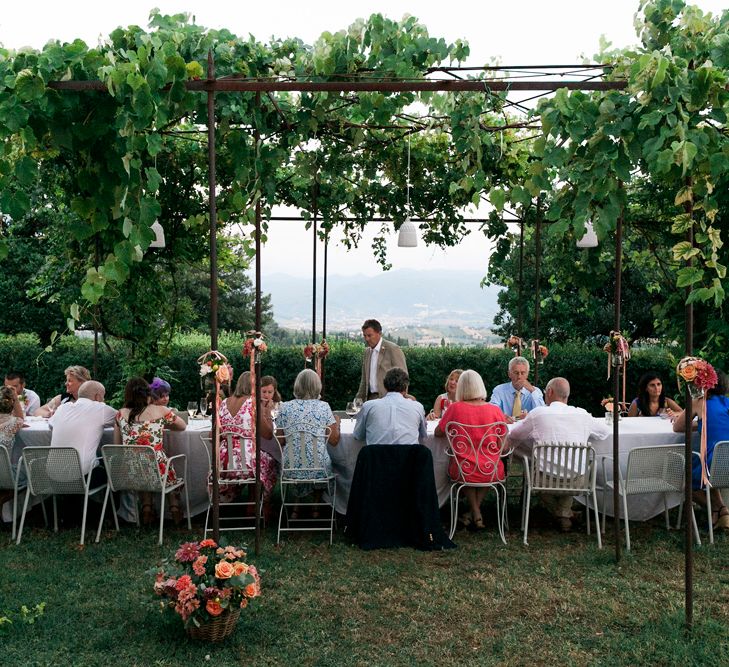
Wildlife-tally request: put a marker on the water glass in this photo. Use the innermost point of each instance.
(192, 409)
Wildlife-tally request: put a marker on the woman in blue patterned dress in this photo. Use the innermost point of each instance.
(308, 413)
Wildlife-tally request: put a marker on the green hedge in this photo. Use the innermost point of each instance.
(585, 367)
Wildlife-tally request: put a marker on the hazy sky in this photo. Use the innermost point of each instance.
(520, 32)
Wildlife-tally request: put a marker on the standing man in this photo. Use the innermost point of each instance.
(558, 422)
(518, 397)
(394, 420)
(380, 356)
(27, 397)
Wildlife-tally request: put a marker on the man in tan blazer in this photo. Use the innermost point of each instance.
(380, 356)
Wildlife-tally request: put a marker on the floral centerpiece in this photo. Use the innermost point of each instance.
(618, 351)
(316, 352)
(214, 364)
(207, 585)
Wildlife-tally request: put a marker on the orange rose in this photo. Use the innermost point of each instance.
(223, 374)
(688, 373)
(251, 590)
(244, 603)
(239, 568)
(208, 543)
(214, 608)
(224, 570)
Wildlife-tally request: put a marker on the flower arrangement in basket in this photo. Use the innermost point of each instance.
(216, 364)
(699, 375)
(316, 352)
(539, 352)
(207, 585)
(516, 344)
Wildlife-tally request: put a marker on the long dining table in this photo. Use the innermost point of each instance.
(634, 432)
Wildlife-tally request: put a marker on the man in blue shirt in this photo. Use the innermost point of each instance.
(392, 419)
(518, 397)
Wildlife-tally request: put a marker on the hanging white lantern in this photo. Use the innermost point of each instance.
(589, 240)
(408, 236)
(159, 236)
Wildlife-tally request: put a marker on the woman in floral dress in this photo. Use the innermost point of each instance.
(236, 417)
(140, 423)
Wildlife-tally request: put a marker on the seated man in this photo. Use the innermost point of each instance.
(81, 425)
(392, 419)
(517, 397)
(27, 397)
(558, 422)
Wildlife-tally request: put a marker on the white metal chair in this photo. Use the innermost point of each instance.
(718, 477)
(135, 468)
(657, 469)
(9, 481)
(296, 471)
(54, 471)
(478, 458)
(561, 468)
(227, 477)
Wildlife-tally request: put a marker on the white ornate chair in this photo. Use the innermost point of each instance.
(561, 468)
(134, 468)
(481, 458)
(296, 471)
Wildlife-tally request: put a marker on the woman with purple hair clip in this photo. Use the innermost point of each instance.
(159, 392)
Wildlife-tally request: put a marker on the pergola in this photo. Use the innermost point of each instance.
(542, 79)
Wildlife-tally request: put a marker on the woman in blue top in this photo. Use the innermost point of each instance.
(717, 429)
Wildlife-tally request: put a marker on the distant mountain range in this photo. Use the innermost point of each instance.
(396, 298)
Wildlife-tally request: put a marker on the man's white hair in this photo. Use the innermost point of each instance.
(517, 361)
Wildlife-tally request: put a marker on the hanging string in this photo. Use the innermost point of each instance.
(407, 189)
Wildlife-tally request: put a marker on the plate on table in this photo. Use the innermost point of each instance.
(36, 419)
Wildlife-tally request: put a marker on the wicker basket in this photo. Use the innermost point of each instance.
(216, 629)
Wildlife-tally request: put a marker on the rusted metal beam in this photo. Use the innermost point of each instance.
(383, 86)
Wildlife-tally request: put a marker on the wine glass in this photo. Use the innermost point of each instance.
(274, 411)
(351, 410)
(192, 409)
(357, 403)
(203, 407)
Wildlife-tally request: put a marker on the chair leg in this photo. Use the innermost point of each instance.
(680, 515)
(665, 511)
(500, 510)
(55, 515)
(696, 527)
(625, 516)
(22, 516)
(281, 512)
(454, 509)
(161, 516)
(103, 512)
(187, 506)
(597, 519)
(526, 513)
(83, 519)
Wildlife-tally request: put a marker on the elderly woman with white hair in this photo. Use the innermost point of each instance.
(308, 413)
(75, 377)
(470, 408)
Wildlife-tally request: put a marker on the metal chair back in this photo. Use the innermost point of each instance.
(478, 454)
(7, 478)
(658, 469)
(54, 470)
(561, 467)
(294, 454)
(719, 472)
(132, 468)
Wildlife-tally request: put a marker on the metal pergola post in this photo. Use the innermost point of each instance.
(537, 267)
(617, 370)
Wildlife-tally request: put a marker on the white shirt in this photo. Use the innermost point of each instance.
(80, 425)
(557, 422)
(374, 357)
(32, 402)
(391, 420)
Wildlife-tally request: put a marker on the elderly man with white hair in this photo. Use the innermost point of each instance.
(558, 422)
(517, 397)
(81, 424)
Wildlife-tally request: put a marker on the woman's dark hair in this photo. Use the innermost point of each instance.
(136, 397)
(7, 400)
(722, 385)
(267, 380)
(643, 399)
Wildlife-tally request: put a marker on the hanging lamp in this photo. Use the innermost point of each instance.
(408, 235)
(589, 239)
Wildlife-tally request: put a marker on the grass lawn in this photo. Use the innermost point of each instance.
(558, 601)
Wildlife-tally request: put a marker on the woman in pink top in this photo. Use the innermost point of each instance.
(472, 463)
